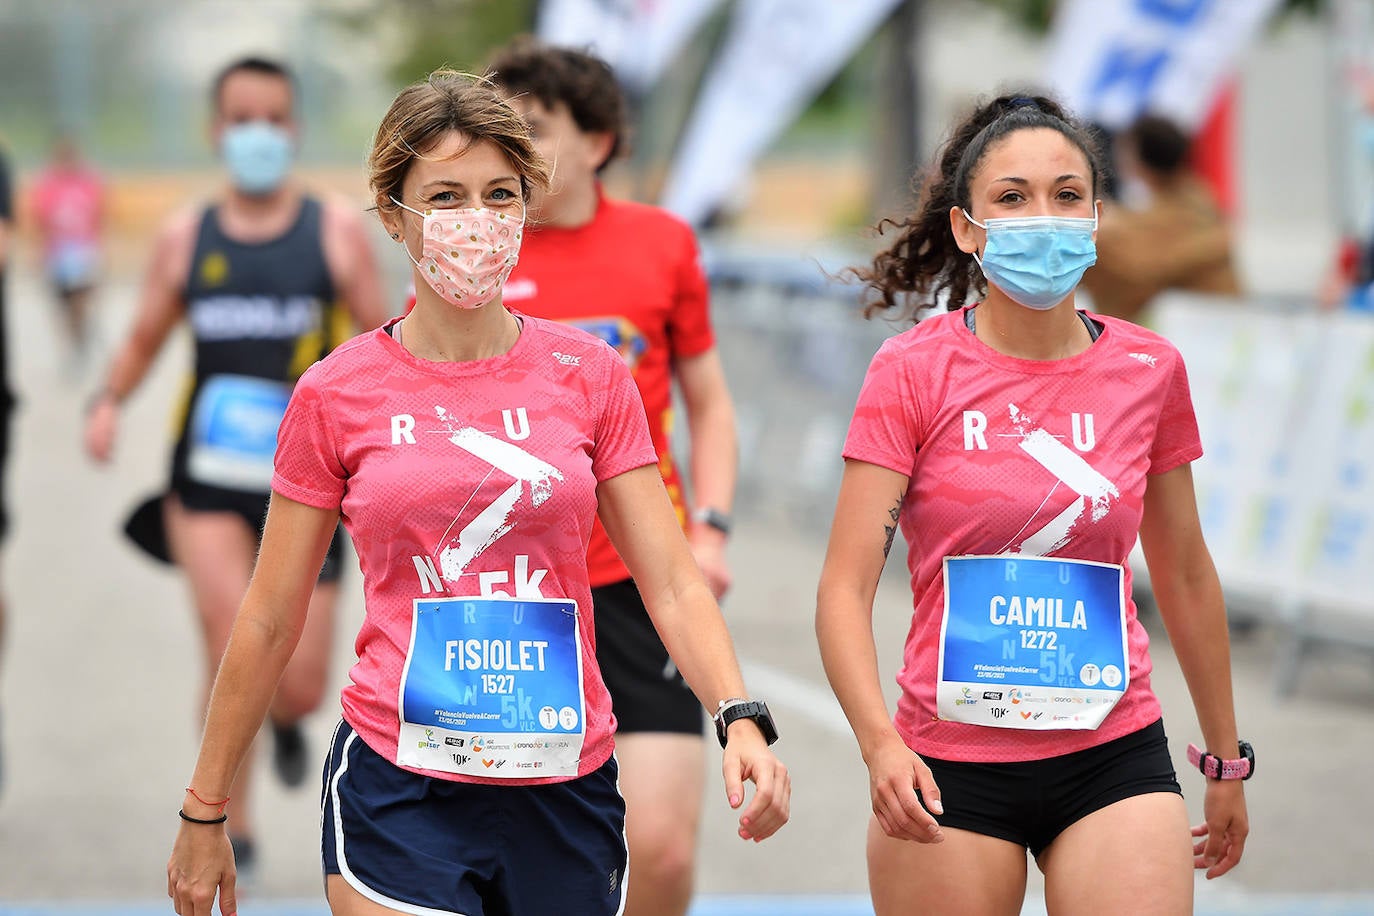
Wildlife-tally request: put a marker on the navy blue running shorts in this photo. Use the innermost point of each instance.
(648, 693)
(434, 846)
(1030, 803)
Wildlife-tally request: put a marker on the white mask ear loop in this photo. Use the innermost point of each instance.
(977, 260)
(402, 239)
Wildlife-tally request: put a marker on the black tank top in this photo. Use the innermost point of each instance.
(260, 314)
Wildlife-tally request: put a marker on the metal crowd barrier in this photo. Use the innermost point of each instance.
(1285, 402)
(795, 354)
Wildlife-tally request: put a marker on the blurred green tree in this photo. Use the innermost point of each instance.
(426, 34)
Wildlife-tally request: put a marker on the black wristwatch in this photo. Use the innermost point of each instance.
(733, 709)
(714, 518)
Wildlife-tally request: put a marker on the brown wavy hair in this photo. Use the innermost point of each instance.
(565, 76)
(425, 112)
(924, 266)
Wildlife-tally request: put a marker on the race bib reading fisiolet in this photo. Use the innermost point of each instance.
(1032, 642)
(493, 687)
(233, 433)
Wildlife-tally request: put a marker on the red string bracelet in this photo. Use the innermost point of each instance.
(219, 805)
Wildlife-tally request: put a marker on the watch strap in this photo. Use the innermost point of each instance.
(726, 704)
(714, 518)
(1214, 767)
(735, 709)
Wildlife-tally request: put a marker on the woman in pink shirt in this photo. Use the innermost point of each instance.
(68, 204)
(468, 450)
(1021, 446)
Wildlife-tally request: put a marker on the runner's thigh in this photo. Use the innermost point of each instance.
(1133, 856)
(969, 874)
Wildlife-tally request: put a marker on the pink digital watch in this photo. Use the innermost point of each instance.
(1214, 767)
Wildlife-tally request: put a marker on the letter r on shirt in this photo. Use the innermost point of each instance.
(402, 427)
(975, 422)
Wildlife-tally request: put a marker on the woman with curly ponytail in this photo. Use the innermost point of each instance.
(1022, 446)
(925, 267)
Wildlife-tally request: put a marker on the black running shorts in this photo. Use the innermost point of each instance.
(1032, 802)
(648, 693)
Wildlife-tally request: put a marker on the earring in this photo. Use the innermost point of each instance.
(395, 235)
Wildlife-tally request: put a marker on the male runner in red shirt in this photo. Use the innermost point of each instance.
(631, 274)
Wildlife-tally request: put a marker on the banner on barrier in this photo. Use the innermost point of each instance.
(1285, 405)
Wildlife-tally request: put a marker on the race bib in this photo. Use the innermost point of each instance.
(233, 433)
(493, 687)
(1032, 642)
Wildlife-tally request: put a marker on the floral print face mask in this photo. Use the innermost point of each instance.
(467, 253)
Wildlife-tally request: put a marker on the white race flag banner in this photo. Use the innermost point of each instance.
(638, 38)
(1113, 60)
(778, 56)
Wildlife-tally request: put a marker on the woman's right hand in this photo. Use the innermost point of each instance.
(102, 422)
(202, 863)
(895, 776)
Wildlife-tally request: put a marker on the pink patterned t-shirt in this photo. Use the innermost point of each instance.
(996, 450)
(465, 479)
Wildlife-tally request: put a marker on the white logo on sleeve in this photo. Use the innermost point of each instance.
(1145, 358)
(568, 359)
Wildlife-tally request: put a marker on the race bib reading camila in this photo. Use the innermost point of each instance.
(233, 433)
(493, 687)
(1032, 642)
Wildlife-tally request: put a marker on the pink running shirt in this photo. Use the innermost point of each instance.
(374, 431)
(943, 408)
(67, 205)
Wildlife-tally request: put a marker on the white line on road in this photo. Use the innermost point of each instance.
(800, 696)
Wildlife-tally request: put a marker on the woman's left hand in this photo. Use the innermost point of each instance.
(747, 757)
(1221, 839)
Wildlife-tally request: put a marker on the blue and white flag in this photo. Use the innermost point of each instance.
(1113, 60)
(778, 56)
(638, 38)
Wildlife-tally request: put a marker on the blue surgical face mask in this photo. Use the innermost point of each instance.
(257, 154)
(1037, 260)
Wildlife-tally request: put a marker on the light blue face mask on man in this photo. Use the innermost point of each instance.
(1037, 260)
(257, 154)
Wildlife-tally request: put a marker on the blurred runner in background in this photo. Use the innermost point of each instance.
(260, 275)
(7, 399)
(1167, 232)
(68, 207)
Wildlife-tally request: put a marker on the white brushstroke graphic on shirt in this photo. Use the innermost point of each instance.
(493, 522)
(1069, 468)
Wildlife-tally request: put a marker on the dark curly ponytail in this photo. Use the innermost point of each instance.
(924, 267)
